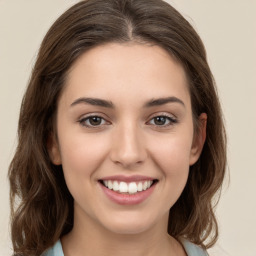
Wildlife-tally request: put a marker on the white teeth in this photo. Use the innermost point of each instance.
(131, 188)
(110, 184)
(123, 187)
(115, 186)
(139, 188)
(145, 185)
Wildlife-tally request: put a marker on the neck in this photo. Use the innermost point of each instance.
(90, 238)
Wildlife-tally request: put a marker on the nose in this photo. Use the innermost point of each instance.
(128, 147)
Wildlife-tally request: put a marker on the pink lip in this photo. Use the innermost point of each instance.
(127, 199)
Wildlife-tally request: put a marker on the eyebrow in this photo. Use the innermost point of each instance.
(162, 101)
(109, 104)
(94, 102)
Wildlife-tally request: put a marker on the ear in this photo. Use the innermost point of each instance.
(53, 149)
(199, 139)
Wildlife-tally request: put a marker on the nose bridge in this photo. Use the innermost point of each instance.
(128, 144)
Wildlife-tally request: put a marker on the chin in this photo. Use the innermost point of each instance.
(130, 224)
(128, 229)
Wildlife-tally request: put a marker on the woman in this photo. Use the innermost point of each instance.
(121, 140)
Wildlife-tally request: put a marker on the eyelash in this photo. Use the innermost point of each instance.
(89, 118)
(171, 121)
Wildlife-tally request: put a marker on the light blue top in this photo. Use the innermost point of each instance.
(191, 249)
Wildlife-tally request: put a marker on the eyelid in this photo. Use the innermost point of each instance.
(172, 118)
(165, 114)
(91, 114)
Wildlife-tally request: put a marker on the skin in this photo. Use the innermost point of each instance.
(126, 141)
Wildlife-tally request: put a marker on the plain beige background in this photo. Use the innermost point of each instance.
(228, 29)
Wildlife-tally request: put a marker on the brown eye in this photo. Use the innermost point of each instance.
(92, 121)
(162, 121)
(95, 120)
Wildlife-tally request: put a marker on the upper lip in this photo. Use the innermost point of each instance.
(128, 178)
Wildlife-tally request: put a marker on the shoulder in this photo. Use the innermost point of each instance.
(56, 250)
(192, 249)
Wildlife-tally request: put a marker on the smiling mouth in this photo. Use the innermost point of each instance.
(128, 187)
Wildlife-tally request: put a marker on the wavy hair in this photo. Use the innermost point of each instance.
(41, 205)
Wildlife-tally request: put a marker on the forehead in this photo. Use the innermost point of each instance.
(118, 70)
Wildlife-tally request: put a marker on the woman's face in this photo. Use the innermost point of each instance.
(125, 136)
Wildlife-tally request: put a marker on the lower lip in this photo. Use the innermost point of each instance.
(127, 199)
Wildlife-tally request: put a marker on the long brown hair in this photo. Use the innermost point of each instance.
(42, 207)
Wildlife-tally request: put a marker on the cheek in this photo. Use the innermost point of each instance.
(81, 154)
(81, 157)
(173, 154)
(172, 159)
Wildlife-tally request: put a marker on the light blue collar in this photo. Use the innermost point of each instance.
(190, 248)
